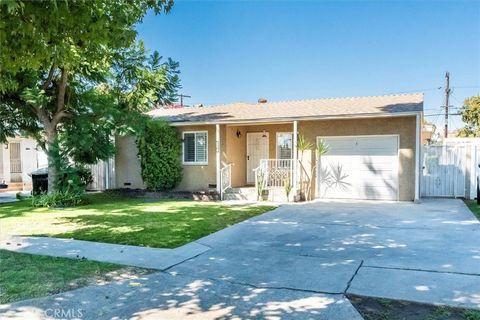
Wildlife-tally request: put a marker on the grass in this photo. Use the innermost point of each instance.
(474, 207)
(25, 276)
(387, 309)
(113, 219)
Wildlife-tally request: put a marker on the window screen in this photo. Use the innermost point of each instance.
(195, 147)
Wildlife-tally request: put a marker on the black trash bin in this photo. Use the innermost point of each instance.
(39, 180)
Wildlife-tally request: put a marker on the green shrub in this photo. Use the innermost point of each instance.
(59, 199)
(73, 178)
(159, 150)
(20, 196)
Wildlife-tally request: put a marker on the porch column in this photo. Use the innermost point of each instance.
(217, 157)
(417, 155)
(295, 158)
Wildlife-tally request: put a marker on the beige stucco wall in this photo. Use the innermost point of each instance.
(127, 164)
(199, 177)
(403, 126)
(195, 177)
(233, 150)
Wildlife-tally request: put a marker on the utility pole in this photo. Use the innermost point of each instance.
(181, 98)
(447, 97)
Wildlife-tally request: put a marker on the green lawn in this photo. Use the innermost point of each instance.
(113, 219)
(25, 276)
(474, 207)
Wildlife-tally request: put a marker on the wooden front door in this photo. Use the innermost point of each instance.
(257, 149)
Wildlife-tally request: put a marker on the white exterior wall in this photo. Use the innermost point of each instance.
(31, 159)
(2, 147)
(6, 162)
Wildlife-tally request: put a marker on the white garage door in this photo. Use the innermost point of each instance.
(359, 167)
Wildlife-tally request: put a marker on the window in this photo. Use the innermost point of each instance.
(195, 147)
(284, 145)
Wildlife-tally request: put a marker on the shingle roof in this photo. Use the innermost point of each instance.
(295, 109)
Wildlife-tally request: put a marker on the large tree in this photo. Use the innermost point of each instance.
(73, 74)
(471, 116)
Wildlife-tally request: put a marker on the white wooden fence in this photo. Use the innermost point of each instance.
(103, 174)
(450, 170)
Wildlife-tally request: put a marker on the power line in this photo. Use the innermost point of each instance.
(466, 87)
(413, 91)
(441, 114)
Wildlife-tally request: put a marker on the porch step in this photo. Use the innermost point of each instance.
(16, 186)
(250, 194)
(245, 193)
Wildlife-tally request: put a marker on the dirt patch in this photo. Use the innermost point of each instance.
(386, 309)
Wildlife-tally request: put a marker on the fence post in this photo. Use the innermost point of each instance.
(478, 190)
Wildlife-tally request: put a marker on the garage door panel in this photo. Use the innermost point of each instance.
(362, 146)
(359, 192)
(360, 152)
(360, 163)
(359, 168)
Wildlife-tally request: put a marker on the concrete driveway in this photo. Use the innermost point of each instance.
(299, 261)
(428, 252)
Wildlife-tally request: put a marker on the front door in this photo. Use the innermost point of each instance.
(257, 148)
(15, 162)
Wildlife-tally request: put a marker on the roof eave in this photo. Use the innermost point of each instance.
(291, 119)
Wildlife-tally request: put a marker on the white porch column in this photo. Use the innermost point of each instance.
(295, 158)
(417, 155)
(217, 157)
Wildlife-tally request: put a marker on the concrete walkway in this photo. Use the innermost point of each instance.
(151, 258)
(8, 196)
(299, 261)
(162, 296)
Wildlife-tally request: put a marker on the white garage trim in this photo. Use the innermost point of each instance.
(394, 169)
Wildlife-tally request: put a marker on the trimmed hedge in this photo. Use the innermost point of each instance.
(159, 149)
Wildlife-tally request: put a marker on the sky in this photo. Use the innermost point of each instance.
(232, 51)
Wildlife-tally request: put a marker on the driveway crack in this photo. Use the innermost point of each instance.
(423, 270)
(253, 285)
(353, 276)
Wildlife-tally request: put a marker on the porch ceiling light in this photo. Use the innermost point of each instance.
(6, 146)
(264, 134)
(239, 133)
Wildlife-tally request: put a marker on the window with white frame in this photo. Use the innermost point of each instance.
(284, 145)
(195, 147)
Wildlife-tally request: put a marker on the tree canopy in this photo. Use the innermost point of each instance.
(74, 73)
(471, 116)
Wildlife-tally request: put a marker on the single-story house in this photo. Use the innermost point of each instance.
(372, 142)
(18, 157)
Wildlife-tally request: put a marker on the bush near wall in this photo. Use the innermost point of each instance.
(159, 150)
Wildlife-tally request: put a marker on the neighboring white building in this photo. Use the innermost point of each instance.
(18, 157)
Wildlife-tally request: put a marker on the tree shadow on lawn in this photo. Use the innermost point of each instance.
(164, 224)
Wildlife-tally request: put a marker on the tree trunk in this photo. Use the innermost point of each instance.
(50, 127)
(52, 169)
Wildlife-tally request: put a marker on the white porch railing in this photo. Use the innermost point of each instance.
(275, 173)
(225, 178)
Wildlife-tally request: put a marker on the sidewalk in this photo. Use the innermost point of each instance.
(143, 257)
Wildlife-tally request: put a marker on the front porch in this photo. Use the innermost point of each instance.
(257, 161)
